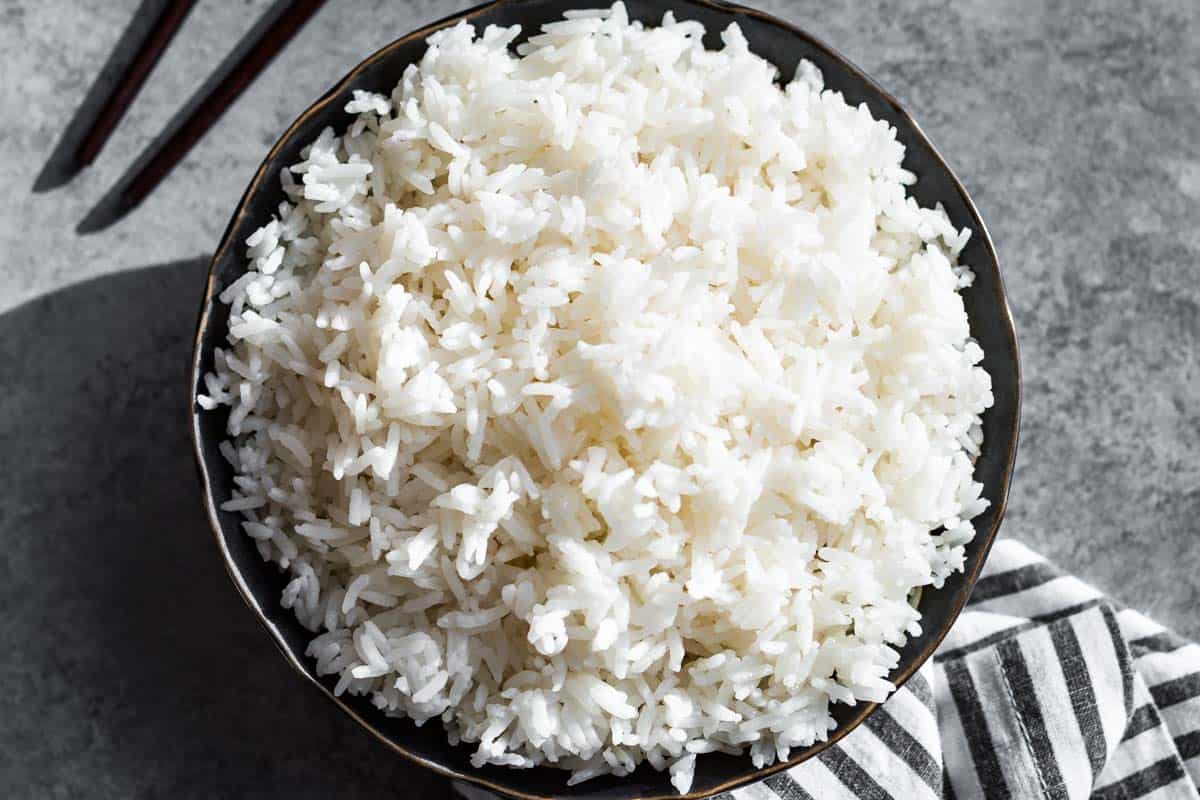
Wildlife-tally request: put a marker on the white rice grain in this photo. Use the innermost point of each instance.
(606, 400)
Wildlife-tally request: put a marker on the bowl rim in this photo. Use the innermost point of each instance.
(985, 538)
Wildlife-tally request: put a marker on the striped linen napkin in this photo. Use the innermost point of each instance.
(1044, 688)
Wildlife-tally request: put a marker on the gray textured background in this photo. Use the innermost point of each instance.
(129, 667)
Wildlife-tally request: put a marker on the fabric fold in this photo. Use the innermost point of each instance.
(1044, 688)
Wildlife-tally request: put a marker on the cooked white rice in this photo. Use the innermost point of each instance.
(605, 402)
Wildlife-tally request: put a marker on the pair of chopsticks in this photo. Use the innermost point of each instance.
(259, 54)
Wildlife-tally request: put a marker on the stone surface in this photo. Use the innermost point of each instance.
(130, 666)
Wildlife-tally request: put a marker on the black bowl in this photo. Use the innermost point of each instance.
(782, 44)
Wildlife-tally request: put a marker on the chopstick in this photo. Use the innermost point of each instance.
(132, 80)
(265, 48)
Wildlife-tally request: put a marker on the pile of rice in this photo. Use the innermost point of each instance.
(603, 399)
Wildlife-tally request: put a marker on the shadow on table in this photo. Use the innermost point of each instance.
(132, 667)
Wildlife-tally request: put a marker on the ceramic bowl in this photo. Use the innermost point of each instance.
(782, 44)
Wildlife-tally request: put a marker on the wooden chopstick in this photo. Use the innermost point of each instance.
(131, 81)
(270, 42)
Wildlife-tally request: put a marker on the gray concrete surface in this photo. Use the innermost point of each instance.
(130, 667)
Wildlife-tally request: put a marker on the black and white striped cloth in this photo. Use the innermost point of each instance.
(1044, 688)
